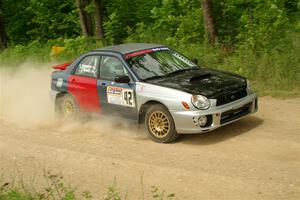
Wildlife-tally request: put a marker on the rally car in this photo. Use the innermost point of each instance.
(154, 85)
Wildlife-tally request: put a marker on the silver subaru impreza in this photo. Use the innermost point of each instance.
(154, 85)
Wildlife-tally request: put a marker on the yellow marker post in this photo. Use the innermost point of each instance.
(56, 50)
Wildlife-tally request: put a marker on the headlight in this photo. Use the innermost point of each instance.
(200, 102)
(248, 84)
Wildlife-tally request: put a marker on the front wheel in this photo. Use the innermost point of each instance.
(160, 124)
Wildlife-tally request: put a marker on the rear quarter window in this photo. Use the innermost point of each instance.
(88, 67)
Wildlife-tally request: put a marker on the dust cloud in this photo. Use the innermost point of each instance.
(25, 103)
(24, 95)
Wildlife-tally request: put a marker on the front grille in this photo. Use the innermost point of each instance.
(231, 115)
(230, 97)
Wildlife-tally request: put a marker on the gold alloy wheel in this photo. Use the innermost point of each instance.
(159, 124)
(68, 108)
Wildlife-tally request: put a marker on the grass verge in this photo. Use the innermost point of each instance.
(57, 189)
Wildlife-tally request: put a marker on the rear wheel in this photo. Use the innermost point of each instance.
(160, 124)
(68, 107)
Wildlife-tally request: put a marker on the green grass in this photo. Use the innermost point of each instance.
(41, 52)
(56, 188)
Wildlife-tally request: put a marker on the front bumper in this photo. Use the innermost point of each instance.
(186, 121)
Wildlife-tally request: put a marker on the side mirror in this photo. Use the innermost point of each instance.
(195, 60)
(122, 79)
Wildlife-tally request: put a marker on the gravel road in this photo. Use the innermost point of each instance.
(255, 158)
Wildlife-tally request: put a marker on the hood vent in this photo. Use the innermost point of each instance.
(200, 76)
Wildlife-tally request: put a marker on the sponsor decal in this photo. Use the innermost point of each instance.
(87, 68)
(144, 52)
(120, 96)
(160, 49)
(140, 88)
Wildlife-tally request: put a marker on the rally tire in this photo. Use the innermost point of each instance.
(68, 107)
(160, 124)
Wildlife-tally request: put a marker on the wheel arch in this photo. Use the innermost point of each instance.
(57, 100)
(144, 107)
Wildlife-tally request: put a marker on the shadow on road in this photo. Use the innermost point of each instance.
(226, 132)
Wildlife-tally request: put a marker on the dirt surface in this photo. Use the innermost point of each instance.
(257, 157)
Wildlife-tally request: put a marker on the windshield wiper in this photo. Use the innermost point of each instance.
(153, 77)
(182, 70)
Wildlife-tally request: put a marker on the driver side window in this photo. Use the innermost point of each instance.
(111, 67)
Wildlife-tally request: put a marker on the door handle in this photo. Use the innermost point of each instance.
(73, 80)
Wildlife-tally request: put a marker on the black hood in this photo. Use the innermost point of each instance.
(207, 82)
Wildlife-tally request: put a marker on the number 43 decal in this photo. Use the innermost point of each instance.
(128, 98)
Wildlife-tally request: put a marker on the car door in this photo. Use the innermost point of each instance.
(82, 84)
(116, 98)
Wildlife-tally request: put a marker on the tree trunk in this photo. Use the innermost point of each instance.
(89, 21)
(210, 29)
(98, 19)
(85, 19)
(3, 36)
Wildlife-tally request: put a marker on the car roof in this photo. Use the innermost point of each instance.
(129, 48)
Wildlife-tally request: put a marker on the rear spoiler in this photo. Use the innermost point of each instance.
(62, 66)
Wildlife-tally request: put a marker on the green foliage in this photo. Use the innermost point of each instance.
(40, 52)
(182, 20)
(40, 20)
(112, 193)
(33, 51)
(57, 189)
(160, 195)
(113, 33)
(265, 25)
(17, 19)
(75, 47)
(123, 16)
(173, 22)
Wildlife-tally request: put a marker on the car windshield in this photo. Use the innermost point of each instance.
(157, 64)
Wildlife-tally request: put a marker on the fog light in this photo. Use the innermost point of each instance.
(202, 120)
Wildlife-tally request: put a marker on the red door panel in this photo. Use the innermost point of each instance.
(84, 89)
